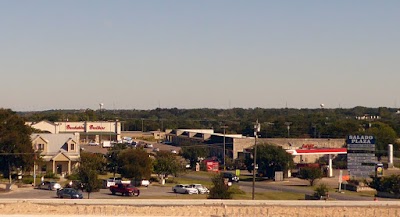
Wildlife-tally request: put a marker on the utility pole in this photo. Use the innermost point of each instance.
(224, 127)
(257, 128)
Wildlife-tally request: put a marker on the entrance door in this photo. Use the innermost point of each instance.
(59, 168)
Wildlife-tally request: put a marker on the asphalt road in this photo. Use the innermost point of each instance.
(31, 193)
(293, 185)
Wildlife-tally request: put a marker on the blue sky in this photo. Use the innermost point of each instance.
(199, 54)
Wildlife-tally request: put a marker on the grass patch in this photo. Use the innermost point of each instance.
(361, 194)
(201, 173)
(270, 196)
(250, 179)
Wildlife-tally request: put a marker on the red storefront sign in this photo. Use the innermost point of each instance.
(92, 127)
(69, 127)
(212, 166)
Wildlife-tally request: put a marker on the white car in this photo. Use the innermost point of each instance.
(93, 144)
(202, 189)
(184, 189)
(49, 185)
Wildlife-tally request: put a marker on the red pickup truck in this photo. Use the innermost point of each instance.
(125, 189)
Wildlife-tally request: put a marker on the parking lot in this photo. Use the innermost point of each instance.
(153, 148)
(150, 192)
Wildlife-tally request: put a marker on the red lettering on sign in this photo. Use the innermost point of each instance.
(96, 127)
(69, 127)
(308, 146)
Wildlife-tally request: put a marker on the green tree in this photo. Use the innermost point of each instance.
(389, 184)
(220, 189)
(112, 157)
(270, 158)
(167, 163)
(135, 163)
(16, 149)
(193, 153)
(311, 174)
(384, 135)
(342, 128)
(90, 165)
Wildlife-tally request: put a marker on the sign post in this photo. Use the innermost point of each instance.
(340, 180)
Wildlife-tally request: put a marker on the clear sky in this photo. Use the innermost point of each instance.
(199, 54)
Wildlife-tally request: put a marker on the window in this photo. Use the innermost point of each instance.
(72, 147)
(40, 147)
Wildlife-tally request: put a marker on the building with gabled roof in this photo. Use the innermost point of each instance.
(59, 153)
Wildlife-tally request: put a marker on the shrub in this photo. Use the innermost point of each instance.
(73, 176)
(27, 180)
(354, 181)
(321, 190)
(50, 175)
(154, 179)
(234, 189)
(220, 190)
(389, 184)
(172, 181)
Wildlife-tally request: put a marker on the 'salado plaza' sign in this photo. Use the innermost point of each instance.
(361, 158)
(360, 139)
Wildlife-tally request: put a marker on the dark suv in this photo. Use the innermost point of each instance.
(232, 177)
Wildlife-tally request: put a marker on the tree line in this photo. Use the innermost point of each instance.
(275, 123)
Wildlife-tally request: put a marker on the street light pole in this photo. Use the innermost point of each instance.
(257, 128)
(288, 128)
(110, 131)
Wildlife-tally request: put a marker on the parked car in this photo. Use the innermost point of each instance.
(148, 146)
(143, 182)
(69, 193)
(156, 149)
(232, 177)
(173, 151)
(93, 143)
(184, 189)
(49, 185)
(108, 182)
(125, 189)
(106, 144)
(202, 189)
